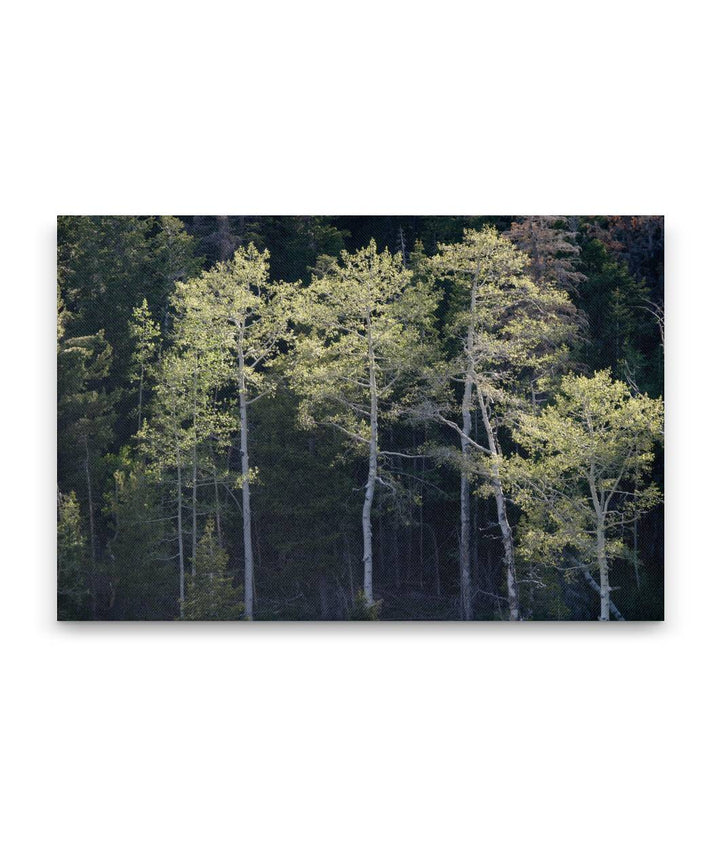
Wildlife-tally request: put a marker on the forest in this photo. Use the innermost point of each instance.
(364, 418)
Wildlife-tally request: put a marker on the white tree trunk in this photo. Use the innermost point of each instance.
(245, 464)
(593, 584)
(194, 475)
(217, 506)
(604, 573)
(140, 397)
(372, 476)
(181, 554)
(465, 596)
(465, 604)
(501, 504)
(91, 513)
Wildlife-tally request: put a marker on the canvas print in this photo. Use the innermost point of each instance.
(433, 418)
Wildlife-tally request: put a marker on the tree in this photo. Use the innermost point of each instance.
(363, 329)
(246, 316)
(142, 571)
(72, 590)
(211, 596)
(184, 417)
(584, 477)
(507, 335)
(85, 419)
(551, 244)
(145, 333)
(623, 321)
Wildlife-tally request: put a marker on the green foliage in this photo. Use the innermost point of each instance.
(360, 316)
(157, 351)
(514, 335)
(587, 463)
(304, 503)
(72, 590)
(143, 576)
(624, 332)
(210, 593)
(364, 611)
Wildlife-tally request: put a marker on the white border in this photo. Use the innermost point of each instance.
(359, 740)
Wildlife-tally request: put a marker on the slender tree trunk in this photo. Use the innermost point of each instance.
(372, 475)
(465, 595)
(247, 520)
(636, 560)
(217, 504)
(593, 584)
(91, 513)
(396, 552)
(194, 475)
(604, 573)
(465, 605)
(599, 500)
(501, 504)
(181, 552)
(421, 530)
(348, 556)
(140, 398)
(436, 554)
(91, 521)
(381, 551)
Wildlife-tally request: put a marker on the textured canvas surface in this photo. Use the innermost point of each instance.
(360, 418)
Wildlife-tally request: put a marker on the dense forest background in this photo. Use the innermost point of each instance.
(152, 522)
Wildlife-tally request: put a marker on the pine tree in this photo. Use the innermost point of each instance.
(551, 243)
(72, 590)
(145, 333)
(85, 426)
(142, 571)
(210, 595)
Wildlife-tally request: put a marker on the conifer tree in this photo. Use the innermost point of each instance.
(72, 590)
(211, 596)
(552, 246)
(145, 333)
(85, 424)
(137, 550)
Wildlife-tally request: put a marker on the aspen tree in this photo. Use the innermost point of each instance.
(246, 317)
(509, 333)
(363, 342)
(584, 477)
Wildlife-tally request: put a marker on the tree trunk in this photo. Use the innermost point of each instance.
(604, 573)
(372, 475)
(636, 558)
(217, 505)
(247, 529)
(465, 604)
(140, 398)
(181, 554)
(91, 520)
(194, 474)
(91, 513)
(436, 554)
(593, 584)
(465, 597)
(501, 504)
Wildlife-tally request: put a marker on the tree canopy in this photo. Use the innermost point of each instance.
(360, 417)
